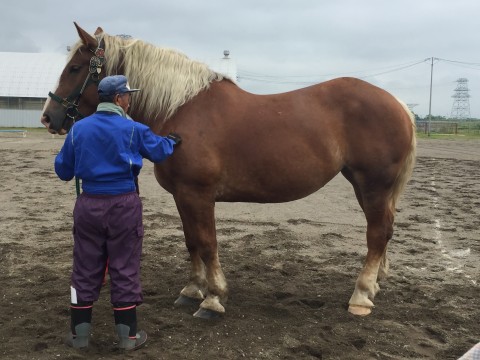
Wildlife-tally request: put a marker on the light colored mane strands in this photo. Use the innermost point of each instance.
(174, 80)
(165, 87)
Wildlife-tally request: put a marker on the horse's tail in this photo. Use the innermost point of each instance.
(409, 161)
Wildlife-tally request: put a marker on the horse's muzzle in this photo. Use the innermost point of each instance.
(45, 120)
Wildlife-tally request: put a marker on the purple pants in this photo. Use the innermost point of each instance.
(107, 227)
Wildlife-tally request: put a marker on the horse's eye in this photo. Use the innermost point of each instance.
(74, 69)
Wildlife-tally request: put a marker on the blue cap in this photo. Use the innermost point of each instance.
(116, 84)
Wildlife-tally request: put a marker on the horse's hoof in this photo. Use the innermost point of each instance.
(359, 310)
(207, 314)
(186, 301)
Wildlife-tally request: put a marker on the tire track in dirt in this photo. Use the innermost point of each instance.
(453, 258)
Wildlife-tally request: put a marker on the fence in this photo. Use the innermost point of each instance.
(449, 127)
(469, 127)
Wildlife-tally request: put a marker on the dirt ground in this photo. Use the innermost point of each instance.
(291, 268)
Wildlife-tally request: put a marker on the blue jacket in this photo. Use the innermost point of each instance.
(105, 150)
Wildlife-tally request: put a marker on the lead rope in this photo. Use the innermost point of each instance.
(96, 63)
(77, 185)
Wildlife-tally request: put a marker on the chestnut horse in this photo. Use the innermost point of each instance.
(241, 147)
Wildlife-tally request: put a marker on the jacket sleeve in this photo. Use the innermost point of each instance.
(154, 147)
(65, 160)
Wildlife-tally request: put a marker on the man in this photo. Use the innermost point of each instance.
(105, 150)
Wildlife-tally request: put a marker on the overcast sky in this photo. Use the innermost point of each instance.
(282, 45)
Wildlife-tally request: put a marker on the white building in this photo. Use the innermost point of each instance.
(26, 79)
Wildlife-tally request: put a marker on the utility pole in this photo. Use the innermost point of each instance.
(430, 103)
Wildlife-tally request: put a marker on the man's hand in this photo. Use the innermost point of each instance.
(175, 137)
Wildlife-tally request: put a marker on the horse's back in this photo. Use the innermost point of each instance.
(342, 121)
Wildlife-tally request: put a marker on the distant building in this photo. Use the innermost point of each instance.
(26, 79)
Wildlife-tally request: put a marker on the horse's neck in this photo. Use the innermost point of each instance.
(138, 116)
(221, 91)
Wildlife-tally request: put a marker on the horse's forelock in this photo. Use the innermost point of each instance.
(167, 78)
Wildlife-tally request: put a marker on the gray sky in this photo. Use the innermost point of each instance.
(282, 45)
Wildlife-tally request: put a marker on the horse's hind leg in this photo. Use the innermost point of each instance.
(384, 263)
(379, 214)
(207, 281)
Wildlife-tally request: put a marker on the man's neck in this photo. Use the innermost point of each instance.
(111, 107)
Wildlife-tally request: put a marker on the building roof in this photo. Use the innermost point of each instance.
(29, 74)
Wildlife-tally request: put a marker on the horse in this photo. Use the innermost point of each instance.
(242, 147)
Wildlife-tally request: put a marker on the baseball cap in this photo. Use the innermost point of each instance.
(115, 84)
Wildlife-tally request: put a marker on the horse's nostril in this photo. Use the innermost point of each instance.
(45, 119)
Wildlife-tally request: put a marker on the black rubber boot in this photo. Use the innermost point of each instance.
(126, 327)
(81, 318)
(127, 342)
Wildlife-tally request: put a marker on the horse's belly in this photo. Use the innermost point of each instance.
(270, 184)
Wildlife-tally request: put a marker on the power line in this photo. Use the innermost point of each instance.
(407, 64)
(297, 79)
(459, 62)
(395, 70)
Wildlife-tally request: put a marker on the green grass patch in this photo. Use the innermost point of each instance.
(433, 136)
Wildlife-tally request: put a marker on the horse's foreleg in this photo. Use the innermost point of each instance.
(384, 266)
(212, 306)
(379, 231)
(198, 220)
(196, 289)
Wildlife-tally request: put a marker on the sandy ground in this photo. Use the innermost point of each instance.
(291, 268)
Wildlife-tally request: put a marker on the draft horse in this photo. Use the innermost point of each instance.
(241, 147)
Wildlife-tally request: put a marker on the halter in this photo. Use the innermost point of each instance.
(71, 102)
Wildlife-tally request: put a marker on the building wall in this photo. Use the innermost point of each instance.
(20, 118)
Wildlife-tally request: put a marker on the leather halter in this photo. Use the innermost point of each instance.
(71, 102)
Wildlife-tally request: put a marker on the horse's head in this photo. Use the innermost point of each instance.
(76, 95)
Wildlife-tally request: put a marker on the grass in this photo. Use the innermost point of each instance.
(23, 128)
(433, 136)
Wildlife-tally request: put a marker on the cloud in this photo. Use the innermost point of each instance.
(11, 41)
(292, 43)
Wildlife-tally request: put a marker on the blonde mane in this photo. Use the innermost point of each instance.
(167, 78)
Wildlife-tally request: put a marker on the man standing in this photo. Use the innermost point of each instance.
(105, 150)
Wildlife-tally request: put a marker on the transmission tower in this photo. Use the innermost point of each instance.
(461, 104)
(411, 106)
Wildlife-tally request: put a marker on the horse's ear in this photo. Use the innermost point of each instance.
(87, 39)
(98, 31)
